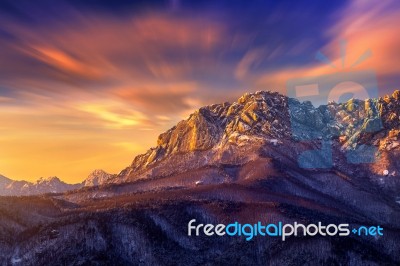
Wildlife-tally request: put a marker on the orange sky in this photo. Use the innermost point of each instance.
(96, 90)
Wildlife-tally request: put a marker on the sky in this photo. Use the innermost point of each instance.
(89, 85)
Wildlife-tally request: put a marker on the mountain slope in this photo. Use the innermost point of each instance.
(211, 134)
(4, 181)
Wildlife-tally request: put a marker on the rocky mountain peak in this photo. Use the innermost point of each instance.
(50, 179)
(96, 178)
(270, 116)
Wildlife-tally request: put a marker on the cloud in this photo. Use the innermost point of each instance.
(65, 62)
(251, 58)
(149, 61)
(170, 98)
(371, 25)
(115, 114)
(363, 26)
(153, 44)
(5, 99)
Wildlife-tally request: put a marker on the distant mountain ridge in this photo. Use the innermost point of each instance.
(9, 187)
(53, 184)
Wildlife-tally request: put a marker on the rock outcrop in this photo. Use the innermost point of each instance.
(96, 178)
(267, 116)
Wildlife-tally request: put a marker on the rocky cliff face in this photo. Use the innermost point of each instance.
(259, 114)
(269, 117)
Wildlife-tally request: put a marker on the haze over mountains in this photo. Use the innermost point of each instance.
(229, 162)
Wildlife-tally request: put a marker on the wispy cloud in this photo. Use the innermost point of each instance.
(363, 26)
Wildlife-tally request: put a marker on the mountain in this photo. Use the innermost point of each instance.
(212, 134)
(263, 158)
(96, 178)
(4, 180)
(9, 187)
(51, 185)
